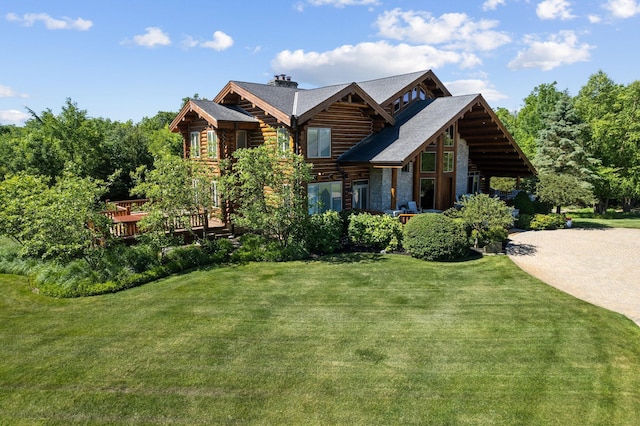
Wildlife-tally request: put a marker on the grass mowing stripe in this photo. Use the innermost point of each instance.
(365, 340)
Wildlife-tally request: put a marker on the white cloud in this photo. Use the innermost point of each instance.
(560, 49)
(554, 9)
(64, 23)
(594, 19)
(453, 30)
(221, 41)
(153, 37)
(8, 92)
(365, 61)
(492, 4)
(623, 8)
(343, 3)
(471, 86)
(13, 116)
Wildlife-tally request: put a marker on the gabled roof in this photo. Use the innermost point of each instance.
(310, 102)
(285, 103)
(491, 147)
(212, 113)
(385, 90)
(416, 126)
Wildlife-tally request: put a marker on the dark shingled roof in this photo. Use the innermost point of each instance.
(414, 126)
(224, 112)
(282, 98)
(383, 88)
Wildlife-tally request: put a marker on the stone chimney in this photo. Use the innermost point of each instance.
(283, 80)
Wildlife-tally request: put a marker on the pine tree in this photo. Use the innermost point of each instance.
(561, 144)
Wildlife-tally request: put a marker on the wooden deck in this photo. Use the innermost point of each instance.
(128, 214)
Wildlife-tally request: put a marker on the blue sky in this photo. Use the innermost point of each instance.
(125, 60)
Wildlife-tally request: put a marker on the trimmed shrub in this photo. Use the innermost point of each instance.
(324, 232)
(547, 221)
(435, 237)
(523, 221)
(523, 203)
(380, 232)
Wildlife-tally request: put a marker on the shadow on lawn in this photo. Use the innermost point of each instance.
(355, 257)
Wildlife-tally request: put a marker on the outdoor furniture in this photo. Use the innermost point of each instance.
(412, 207)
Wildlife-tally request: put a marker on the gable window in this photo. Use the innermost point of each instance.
(448, 137)
(282, 136)
(241, 139)
(195, 145)
(447, 161)
(318, 142)
(324, 196)
(428, 162)
(212, 144)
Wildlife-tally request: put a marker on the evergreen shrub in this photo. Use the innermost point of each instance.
(435, 237)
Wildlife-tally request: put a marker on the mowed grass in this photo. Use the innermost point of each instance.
(585, 218)
(357, 340)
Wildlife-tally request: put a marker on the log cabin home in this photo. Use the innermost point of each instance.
(375, 145)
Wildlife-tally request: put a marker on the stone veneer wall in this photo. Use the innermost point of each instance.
(462, 167)
(380, 188)
(405, 187)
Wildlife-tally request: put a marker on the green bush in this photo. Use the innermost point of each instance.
(324, 232)
(435, 237)
(380, 232)
(523, 221)
(547, 221)
(258, 248)
(523, 203)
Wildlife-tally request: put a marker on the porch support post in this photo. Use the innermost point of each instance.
(394, 186)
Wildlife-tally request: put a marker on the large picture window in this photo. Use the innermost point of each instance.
(212, 144)
(318, 142)
(447, 162)
(195, 145)
(428, 162)
(324, 196)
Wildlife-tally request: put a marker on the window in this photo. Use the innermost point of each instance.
(212, 144)
(447, 161)
(215, 200)
(448, 137)
(473, 183)
(360, 195)
(195, 145)
(318, 142)
(283, 139)
(422, 94)
(428, 162)
(241, 139)
(324, 196)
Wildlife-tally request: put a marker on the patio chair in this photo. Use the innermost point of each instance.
(412, 207)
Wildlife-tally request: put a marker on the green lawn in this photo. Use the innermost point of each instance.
(585, 218)
(357, 340)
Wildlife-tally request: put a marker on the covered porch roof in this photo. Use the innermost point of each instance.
(491, 147)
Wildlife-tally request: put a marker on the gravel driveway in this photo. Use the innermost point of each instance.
(600, 266)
